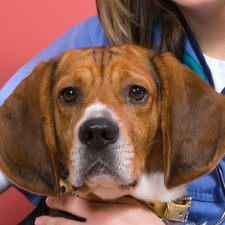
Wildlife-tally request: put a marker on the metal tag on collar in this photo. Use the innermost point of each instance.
(65, 187)
(176, 211)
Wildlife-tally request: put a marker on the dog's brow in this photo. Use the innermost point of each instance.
(94, 55)
(102, 58)
(113, 53)
(155, 76)
(54, 68)
(110, 54)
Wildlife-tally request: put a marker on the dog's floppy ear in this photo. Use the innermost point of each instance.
(193, 116)
(27, 142)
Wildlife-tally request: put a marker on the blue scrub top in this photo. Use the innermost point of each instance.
(208, 200)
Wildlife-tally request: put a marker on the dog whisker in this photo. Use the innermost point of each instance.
(148, 145)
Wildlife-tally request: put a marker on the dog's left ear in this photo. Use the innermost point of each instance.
(27, 139)
(193, 122)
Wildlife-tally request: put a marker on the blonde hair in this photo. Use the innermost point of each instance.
(134, 22)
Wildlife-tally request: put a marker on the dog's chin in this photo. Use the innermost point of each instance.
(149, 187)
(103, 180)
(106, 187)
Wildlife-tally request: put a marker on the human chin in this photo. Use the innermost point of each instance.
(191, 4)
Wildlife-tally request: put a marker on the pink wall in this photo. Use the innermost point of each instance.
(27, 27)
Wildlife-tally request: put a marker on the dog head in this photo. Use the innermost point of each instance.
(120, 120)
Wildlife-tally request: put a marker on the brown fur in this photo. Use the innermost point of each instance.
(178, 129)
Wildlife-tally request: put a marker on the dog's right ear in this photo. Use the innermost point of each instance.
(27, 139)
(193, 127)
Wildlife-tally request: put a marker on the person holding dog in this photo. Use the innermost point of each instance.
(193, 31)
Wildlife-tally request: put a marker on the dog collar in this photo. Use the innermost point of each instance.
(176, 211)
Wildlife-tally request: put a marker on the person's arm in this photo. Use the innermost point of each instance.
(125, 211)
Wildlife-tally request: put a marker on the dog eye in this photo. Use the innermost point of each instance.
(137, 93)
(68, 95)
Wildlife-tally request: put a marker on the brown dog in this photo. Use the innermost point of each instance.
(119, 121)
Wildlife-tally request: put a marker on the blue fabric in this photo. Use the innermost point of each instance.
(223, 91)
(194, 46)
(208, 200)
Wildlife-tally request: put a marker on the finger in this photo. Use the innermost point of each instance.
(72, 204)
(84, 206)
(48, 220)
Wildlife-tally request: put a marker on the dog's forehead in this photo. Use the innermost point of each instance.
(105, 68)
(104, 56)
(104, 62)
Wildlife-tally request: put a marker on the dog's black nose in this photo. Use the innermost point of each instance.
(98, 133)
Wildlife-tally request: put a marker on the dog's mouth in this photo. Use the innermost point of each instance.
(99, 174)
(104, 181)
(104, 176)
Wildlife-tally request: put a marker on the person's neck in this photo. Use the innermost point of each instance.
(208, 26)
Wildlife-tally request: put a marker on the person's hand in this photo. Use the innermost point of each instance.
(125, 211)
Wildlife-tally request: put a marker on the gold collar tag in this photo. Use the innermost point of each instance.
(65, 187)
(176, 211)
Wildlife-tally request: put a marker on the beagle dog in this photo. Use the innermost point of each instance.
(113, 121)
